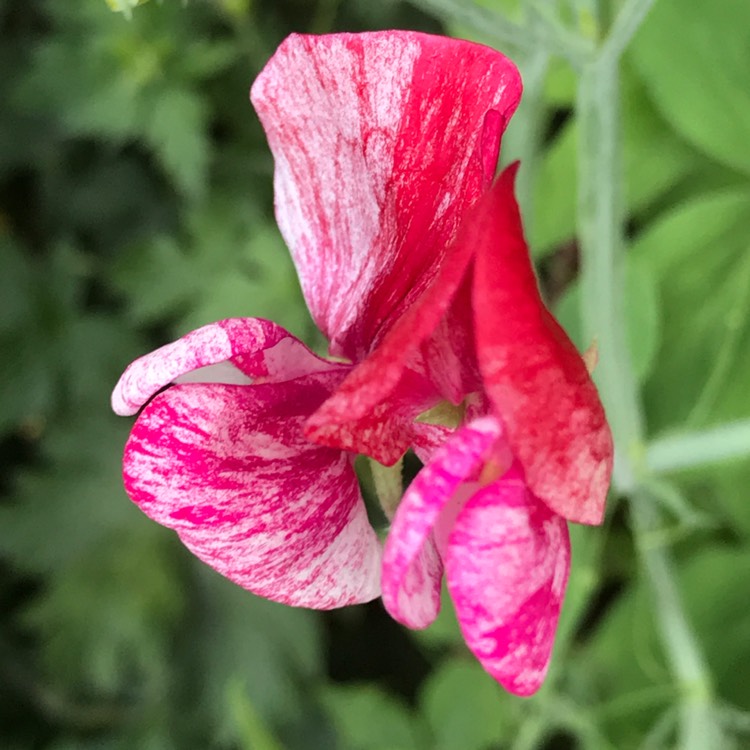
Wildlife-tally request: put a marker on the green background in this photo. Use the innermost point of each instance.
(136, 204)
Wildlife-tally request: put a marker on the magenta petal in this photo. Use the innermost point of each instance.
(237, 350)
(229, 469)
(380, 146)
(411, 568)
(507, 564)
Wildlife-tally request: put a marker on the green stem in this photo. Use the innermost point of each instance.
(602, 280)
(503, 31)
(531, 733)
(624, 27)
(524, 136)
(699, 448)
(698, 726)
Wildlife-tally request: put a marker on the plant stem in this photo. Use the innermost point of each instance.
(624, 27)
(602, 280)
(699, 448)
(503, 31)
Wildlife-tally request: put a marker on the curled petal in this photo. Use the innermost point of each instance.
(228, 468)
(507, 562)
(411, 573)
(381, 142)
(237, 350)
(535, 378)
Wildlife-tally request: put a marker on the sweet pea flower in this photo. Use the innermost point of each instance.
(383, 142)
(414, 265)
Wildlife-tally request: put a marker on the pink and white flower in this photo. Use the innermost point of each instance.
(413, 264)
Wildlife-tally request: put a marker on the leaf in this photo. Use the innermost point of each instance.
(263, 283)
(63, 509)
(227, 266)
(465, 708)
(176, 127)
(15, 285)
(255, 735)
(698, 77)
(105, 619)
(699, 255)
(369, 719)
(241, 642)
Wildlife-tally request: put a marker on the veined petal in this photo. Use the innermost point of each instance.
(404, 375)
(507, 564)
(228, 468)
(534, 376)
(381, 142)
(236, 350)
(411, 569)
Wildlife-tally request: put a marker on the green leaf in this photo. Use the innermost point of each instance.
(105, 618)
(255, 735)
(699, 254)
(465, 708)
(177, 130)
(695, 61)
(67, 507)
(242, 642)
(227, 266)
(369, 719)
(259, 281)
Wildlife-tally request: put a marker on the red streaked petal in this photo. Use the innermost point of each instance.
(411, 576)
(236, 350)
(534, 376)
(380, 145)
(507, 563)
(405, 374)
(229, 469)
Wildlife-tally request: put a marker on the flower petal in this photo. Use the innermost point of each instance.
(229, 469)
(411, 570)
(534, 376)
(381, 142)
(236, 350)
(507, 564)
(404, 375)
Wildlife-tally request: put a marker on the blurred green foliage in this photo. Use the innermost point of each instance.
(136, 203)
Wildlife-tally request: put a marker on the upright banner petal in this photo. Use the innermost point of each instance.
(381, 142)
(228, 468)
(534, 376)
